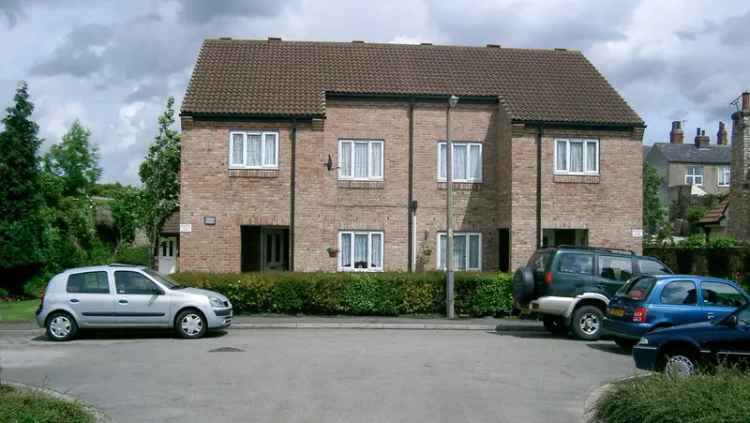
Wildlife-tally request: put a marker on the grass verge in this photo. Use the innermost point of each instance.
(16, 311)
(20, 405)
(721, 396)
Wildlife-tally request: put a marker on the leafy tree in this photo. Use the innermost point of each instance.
(160, 175)
(75, 161)
(22, 226)
(125, 215)
(653, 214)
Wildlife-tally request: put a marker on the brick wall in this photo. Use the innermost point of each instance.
(739, 204)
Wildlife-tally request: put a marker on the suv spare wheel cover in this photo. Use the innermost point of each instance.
(523, 285)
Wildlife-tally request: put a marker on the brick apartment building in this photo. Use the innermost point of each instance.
(330, 156)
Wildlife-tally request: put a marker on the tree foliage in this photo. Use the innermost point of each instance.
(125, 214)
(22, 228)
(160, 175)
(653, 214)
(75, 161)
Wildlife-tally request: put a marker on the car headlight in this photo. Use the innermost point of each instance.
(216, 302)
(643, 341)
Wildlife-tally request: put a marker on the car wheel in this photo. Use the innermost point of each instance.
(625, 344)
(587, 323)
(61, 326)
(555, 325)
(190, 324)
(680, 364)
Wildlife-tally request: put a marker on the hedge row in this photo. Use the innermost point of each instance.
(724, 262)
(386, 294)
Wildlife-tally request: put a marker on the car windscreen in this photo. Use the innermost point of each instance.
(169, 283)
(637, 288)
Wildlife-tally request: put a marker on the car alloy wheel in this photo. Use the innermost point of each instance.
(680, 366)
(60, 326)
(589, 323)
(191, 324)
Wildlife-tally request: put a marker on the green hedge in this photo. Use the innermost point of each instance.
(723, 396)
(384, 294)
(709, 260)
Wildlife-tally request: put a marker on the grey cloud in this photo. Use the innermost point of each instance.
(12, 10)
(77, 55)
(737, 30)
(201, 11)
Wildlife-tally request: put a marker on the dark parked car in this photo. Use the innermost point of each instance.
(682, 350)
(570, 287)
(650, 302)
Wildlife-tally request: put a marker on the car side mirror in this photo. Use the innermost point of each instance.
(731, 321)
(158, 291)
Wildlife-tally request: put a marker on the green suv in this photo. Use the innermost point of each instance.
(570, 287)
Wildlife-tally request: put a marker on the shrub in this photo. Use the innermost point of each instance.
(134, 255)
(21, 405)
(385, 294)
(723, 396)
(3, 293)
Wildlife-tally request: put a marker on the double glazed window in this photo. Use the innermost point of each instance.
(576, 157)
(467, 250)
(360, 250)
(361, 160)
(724, 176)
(694, 175)
(254, 150)
(467, 161)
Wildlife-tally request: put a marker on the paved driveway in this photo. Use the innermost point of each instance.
(322, 375)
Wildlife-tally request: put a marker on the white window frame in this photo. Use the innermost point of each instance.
(245, 135)
(567, 170)
(467, 235)
(370, 169)
(468, 145)
(725, 171)
(693, 176)
(369, 234)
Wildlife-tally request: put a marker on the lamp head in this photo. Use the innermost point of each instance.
(452, 101)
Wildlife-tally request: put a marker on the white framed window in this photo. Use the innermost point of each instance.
(725, 176)
(361, 160)
(467, 162)
(361, 251)
(254, 150)
(467, 250)
(694, 175)
(576, 157)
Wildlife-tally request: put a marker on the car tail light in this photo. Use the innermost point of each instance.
(548, 278)
(639, 315)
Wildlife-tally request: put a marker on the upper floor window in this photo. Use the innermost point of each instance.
(361, 250)
(467, 161)
(577, 157)
(254, 150)
(361, 160)
(694, 175)
(724, 176)
(467, 250)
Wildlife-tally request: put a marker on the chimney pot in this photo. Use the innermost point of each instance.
(676, 135)
(701, 140)
(746, 101)
(722, 137)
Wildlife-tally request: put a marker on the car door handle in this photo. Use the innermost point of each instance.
(710, 316)
(123, 301)
(74, 300)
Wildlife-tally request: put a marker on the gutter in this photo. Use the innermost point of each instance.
(412, 210)
(292, 189)
(540, 134)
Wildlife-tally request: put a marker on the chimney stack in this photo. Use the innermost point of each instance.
(722, 138)
(701, 140)
(676, 135)
(746, 101)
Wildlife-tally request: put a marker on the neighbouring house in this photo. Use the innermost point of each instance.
(331, 156)
(714, 223)
(698, 169)
(168, 250)
(739, 208)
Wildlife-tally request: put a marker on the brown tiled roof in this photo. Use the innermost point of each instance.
(282, 78)
(716, 214)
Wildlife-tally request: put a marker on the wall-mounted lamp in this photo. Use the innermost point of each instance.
(329, 164)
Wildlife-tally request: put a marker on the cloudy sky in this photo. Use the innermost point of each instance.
(112, 64)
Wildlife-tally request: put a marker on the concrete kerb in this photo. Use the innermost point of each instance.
(99, 415)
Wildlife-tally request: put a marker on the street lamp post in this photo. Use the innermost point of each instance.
(449, 282)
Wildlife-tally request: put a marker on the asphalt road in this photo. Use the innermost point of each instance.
(322, 375)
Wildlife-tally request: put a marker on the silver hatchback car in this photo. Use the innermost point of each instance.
(124, 296)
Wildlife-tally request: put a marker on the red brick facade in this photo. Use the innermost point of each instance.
(608, 205)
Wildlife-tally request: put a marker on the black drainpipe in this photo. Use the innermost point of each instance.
(540, 133)
(410, 208)
(292, 185)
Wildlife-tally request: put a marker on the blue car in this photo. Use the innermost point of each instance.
(647, 303)
(682, 350)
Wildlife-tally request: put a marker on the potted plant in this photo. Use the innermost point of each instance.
(332, 251)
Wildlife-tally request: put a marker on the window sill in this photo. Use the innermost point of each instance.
(461, 186)
(360, 270)
(576, 179)
(353, 184)
(253, 173)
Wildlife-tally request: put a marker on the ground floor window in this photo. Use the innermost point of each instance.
(361, 250)
(467, 250)
(571, 237)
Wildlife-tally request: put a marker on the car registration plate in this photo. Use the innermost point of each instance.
(617, 311)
